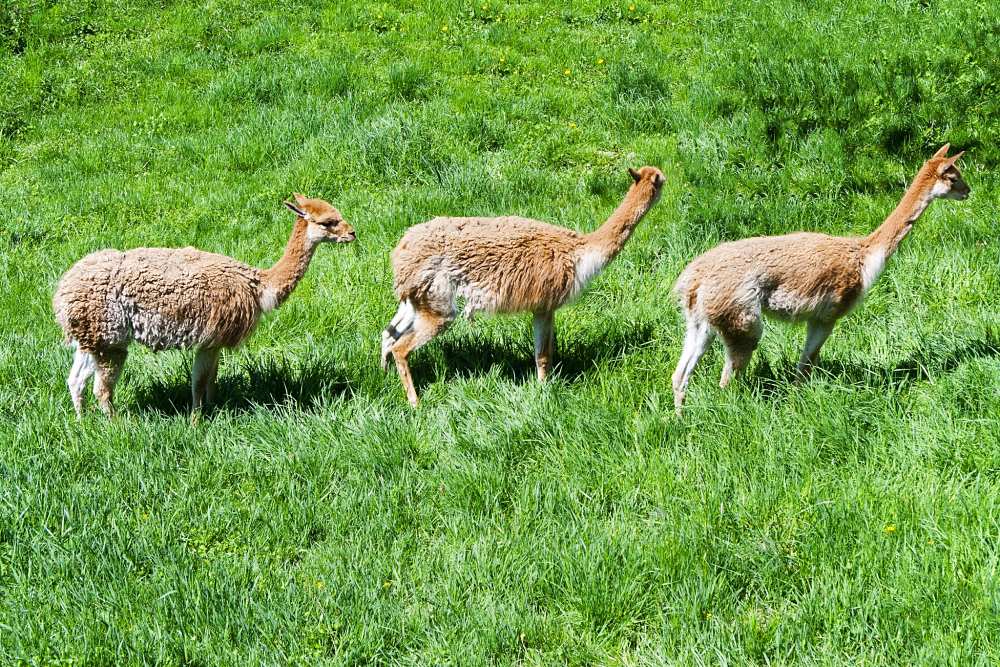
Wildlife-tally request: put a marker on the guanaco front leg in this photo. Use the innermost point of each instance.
(543, 328)
(816, 334)
(206, 365)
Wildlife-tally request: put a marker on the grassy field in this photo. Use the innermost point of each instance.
(314, 518)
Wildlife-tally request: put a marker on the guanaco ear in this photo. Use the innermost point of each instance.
(300, 198)
(947, 163)
(942, 151)
(296, 210)
(636, 176)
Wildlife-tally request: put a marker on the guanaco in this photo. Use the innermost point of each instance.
(803, 276)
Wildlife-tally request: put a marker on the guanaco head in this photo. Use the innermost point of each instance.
(325, 222)
(948, 181)
(650, 175)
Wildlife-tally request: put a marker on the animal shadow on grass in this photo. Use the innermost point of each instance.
(774, 381)
(251, 385)
(468, 356)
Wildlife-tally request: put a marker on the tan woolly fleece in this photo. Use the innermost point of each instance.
(512, 264)
(163, 298)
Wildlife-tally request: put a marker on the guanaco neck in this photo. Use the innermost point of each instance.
(899, 223)
(610, 238)
(282, 278)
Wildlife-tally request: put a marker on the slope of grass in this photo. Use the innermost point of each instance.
(314, 518)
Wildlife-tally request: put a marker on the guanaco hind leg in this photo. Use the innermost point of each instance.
(109, 367)
(699, 336)
(84, 366)
(423, 326)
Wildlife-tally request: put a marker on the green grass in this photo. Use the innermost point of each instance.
(315, 519)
